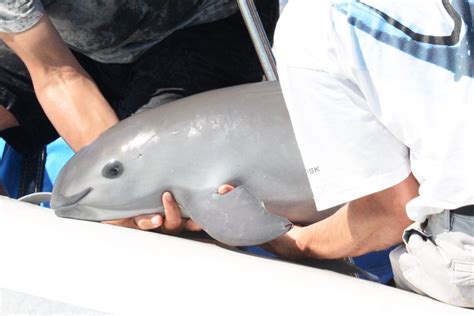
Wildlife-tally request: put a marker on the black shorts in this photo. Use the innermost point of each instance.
(192, 60)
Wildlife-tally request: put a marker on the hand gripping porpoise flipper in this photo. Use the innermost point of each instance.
(238, 218)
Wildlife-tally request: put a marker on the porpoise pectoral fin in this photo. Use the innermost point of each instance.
(238, 218)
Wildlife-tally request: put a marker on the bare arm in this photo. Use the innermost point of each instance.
(7, 120)
(371, 223)
(69, 97)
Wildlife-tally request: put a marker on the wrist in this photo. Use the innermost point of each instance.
(303, 242)
(312, 242)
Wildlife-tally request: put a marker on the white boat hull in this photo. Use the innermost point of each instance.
(124, 271)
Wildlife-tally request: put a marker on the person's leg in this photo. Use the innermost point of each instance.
(337, 133)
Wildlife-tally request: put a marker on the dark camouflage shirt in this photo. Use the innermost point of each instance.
(112, 31)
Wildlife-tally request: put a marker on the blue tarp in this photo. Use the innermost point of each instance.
(57, 154)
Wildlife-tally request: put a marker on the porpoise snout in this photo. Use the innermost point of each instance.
(58, 200)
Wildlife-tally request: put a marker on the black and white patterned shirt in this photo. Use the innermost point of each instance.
(113, 31)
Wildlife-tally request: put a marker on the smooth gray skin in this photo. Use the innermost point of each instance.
(239, 135)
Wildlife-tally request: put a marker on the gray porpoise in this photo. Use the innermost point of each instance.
(239, 135)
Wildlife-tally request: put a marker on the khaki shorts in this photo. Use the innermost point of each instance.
(437, 259)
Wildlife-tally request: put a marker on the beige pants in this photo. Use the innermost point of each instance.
(437, 259)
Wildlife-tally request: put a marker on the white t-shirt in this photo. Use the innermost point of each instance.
(377, 89)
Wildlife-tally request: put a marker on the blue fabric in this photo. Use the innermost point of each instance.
(10, 168)
(58, 153)
(376, 263)
(258, 251)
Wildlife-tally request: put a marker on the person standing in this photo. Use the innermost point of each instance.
(380, 96)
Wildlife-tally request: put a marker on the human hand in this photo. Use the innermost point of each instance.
(172, 223)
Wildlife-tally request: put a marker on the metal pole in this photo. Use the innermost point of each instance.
(259, 38)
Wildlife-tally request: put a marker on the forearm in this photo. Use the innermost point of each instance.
(372, 223)
(338, 236)
(69, 97)
(74, 104)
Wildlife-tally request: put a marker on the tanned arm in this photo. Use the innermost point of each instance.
(7, 119)
(371, 223)
(69, 97)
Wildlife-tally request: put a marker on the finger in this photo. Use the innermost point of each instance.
(149, 222)
(173, 222)
(191, 226)
(226, 188)
(126, 222)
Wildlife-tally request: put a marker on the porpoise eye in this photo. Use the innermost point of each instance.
(112, 170)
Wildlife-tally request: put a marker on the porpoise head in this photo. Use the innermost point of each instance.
(110, 179)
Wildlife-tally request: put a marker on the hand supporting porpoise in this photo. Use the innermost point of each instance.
(172, 223)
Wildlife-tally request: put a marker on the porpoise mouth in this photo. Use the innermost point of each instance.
(60, 201)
